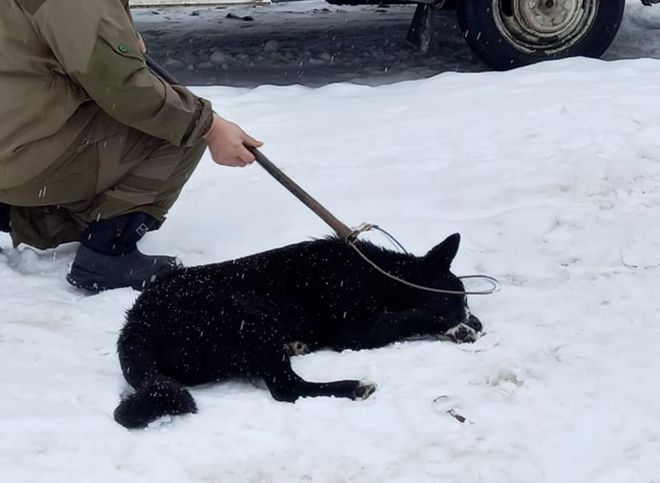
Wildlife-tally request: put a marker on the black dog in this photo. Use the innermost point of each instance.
(247, 317)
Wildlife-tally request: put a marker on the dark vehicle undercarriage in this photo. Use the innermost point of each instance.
(512, 33)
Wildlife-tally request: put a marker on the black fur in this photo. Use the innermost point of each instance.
(246, 317)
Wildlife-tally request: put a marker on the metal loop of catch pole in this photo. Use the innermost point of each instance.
(495, 284)
(344, 232)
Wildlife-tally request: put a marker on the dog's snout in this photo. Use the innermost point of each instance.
(475, 323)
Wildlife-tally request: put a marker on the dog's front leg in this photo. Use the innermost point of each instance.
(386, 329)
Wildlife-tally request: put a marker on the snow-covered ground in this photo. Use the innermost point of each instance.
(551, 173)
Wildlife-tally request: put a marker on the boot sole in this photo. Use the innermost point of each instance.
(89, 281)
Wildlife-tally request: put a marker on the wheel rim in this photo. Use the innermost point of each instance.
(548, 25)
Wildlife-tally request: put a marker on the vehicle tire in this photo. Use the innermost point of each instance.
(511, 33)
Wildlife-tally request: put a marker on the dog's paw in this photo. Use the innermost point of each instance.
(364, 390)
(462, 333)
(296, 348)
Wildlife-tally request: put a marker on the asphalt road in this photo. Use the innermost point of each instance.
(313, 43)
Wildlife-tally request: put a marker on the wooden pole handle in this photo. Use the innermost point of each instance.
(343, 231)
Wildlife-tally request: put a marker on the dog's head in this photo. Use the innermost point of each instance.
(452, 318)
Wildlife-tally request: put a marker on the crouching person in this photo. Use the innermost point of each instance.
(93, 146)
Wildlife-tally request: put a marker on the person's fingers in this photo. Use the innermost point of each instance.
(250, 141)
(233, 162)
(244, 155)
(143, 45)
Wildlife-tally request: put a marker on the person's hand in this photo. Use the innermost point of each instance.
(143, 46)
(228, 143)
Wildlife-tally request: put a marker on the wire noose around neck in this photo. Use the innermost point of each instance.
(369, 227)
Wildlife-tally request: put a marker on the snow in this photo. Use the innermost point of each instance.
(551, 175)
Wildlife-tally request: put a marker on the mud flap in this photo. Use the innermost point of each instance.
(423, 31)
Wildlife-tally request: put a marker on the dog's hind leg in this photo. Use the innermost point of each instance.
(261, 338)
(286, 385)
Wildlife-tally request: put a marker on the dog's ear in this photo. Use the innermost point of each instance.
(441, 256)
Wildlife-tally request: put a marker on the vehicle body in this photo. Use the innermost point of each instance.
(503, 33)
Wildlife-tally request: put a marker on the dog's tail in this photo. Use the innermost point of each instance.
(159, 397)
(155, 394)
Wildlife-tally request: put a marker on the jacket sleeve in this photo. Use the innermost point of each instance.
(128, 10)
(97, 47)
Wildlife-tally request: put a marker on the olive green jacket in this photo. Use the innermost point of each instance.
(57, 58)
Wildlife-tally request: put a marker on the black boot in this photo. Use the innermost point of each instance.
(108, 257)
(5, 218)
